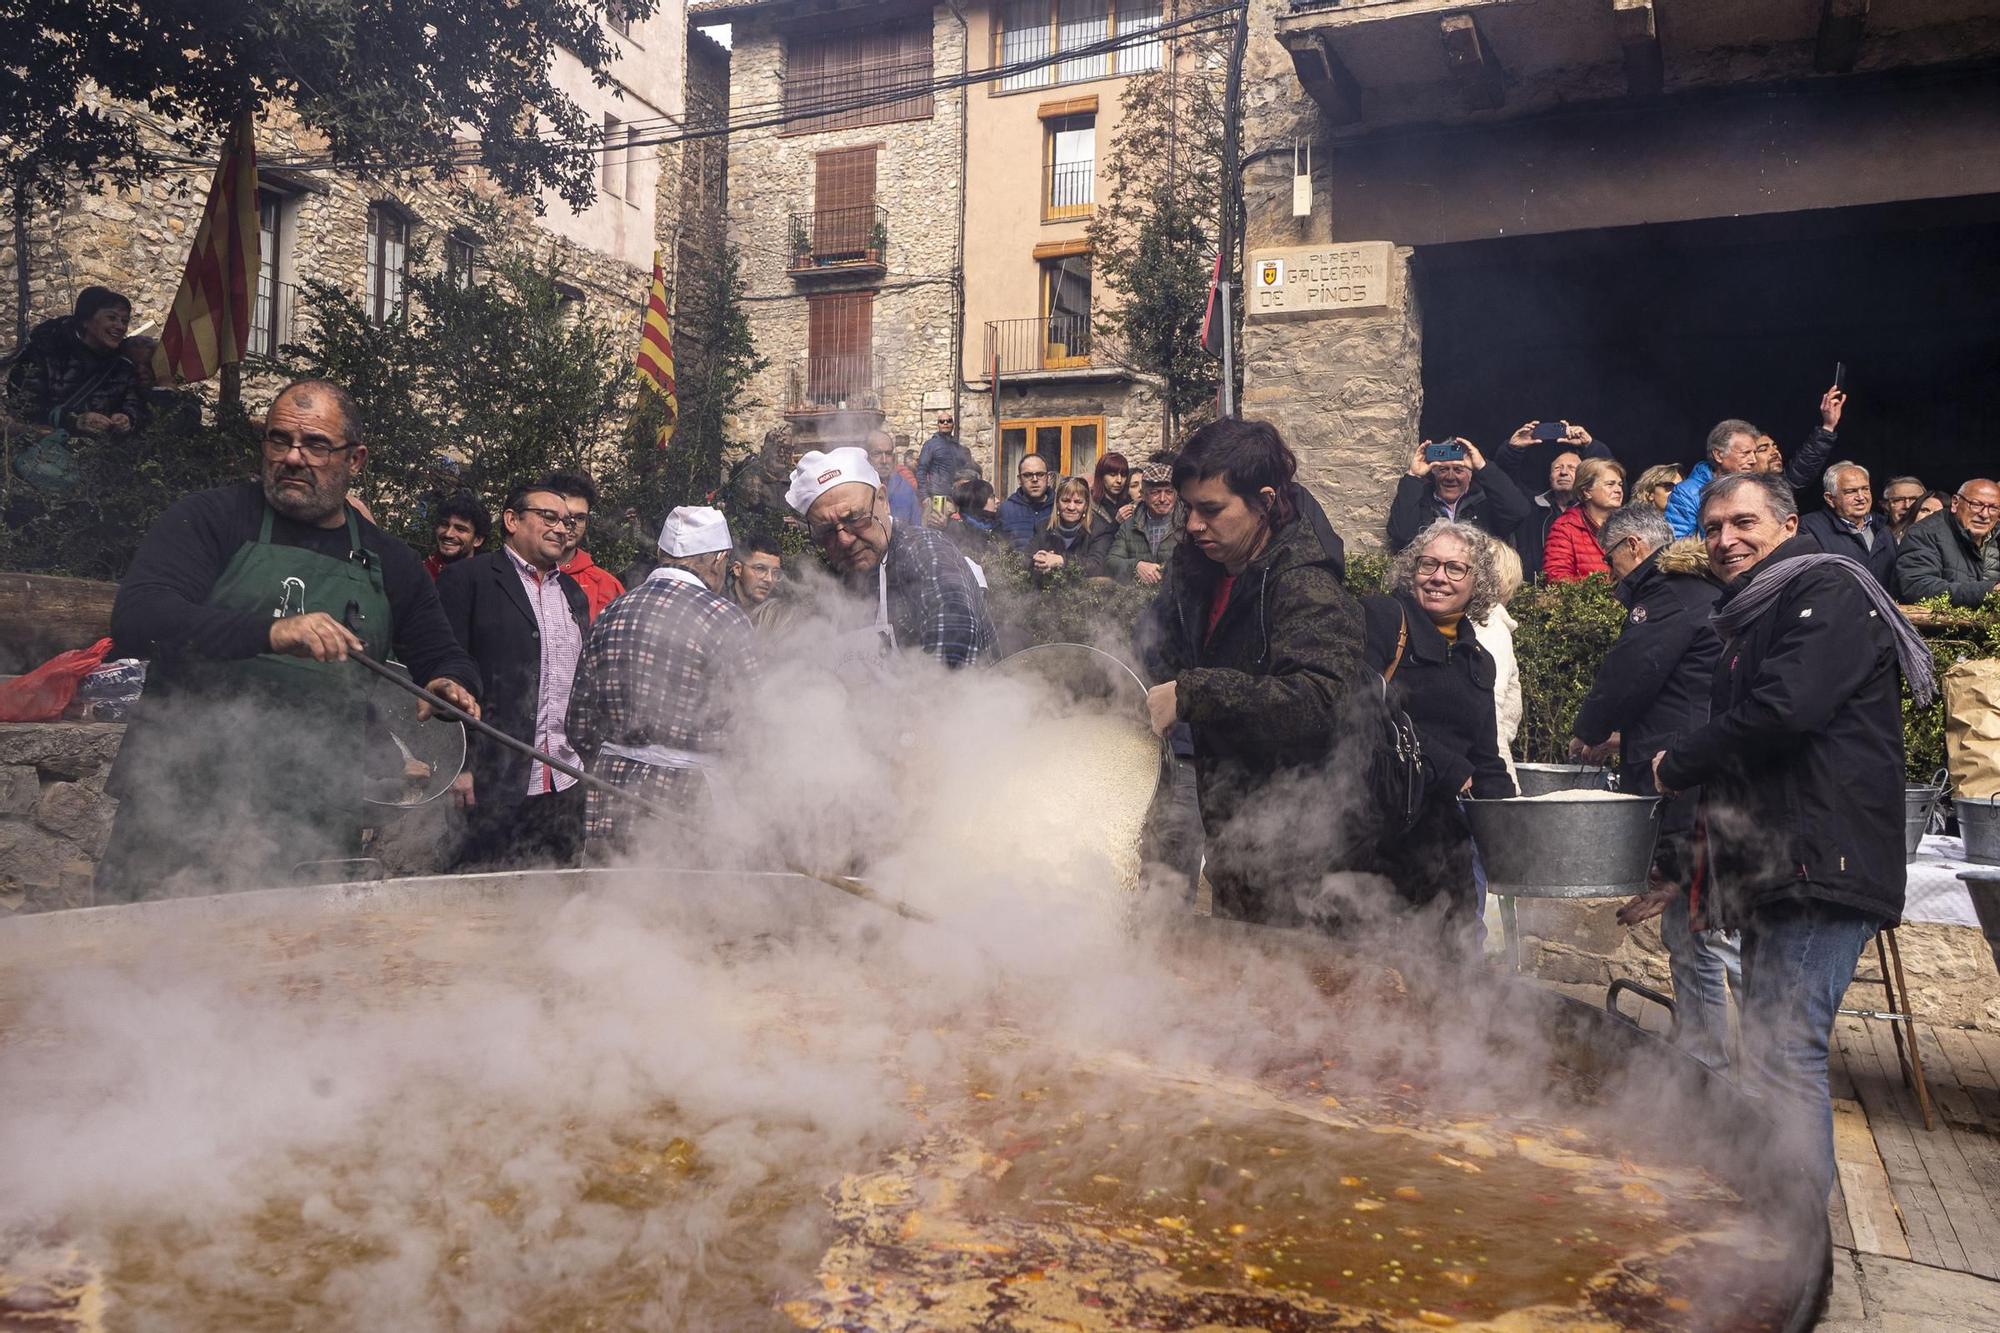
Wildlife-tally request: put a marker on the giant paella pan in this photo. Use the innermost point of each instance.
(595, 1101)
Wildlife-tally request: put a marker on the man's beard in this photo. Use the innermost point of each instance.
(319, 501)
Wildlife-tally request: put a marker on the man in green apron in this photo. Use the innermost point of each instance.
(245, 757)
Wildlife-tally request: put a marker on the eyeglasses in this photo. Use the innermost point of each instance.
(1033, 476)
(1980, 507)
(1454, 570)
(277, 444)
(555, 518)
(851, 524)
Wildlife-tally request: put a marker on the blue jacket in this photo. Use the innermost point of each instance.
(1020, 516)
(903, 504)
(1684, 505)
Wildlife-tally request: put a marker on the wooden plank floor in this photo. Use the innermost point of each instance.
(1940, 1186)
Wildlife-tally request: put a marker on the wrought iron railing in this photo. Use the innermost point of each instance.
(1053, 342)
(832, 237)
(837, 383)
(1068, 189)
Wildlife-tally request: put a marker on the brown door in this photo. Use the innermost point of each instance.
(843, 203)
(840, 346)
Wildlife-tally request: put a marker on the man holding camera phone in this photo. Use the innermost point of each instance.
(1450, 479)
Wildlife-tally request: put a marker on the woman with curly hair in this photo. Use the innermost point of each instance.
(1421, 636)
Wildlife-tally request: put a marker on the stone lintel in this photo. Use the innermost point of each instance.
(1472, 64)
(1842, 25)
(1325, 79)
(1638, 29)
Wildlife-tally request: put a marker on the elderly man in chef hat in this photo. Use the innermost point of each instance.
(918, 590)
(650, 711)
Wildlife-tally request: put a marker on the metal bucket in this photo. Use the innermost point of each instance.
(1566, 848)
(1541, 779)
(1979, 821)
(1984, 887)
(1918, 805)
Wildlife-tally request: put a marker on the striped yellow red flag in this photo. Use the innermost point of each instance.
(209, 326)
(656, 348)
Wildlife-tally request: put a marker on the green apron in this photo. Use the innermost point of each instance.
(257, 764)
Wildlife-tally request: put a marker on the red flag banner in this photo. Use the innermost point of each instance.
(209, 326)
(656, 348)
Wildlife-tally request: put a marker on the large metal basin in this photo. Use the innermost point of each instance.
(1541, 779)
(1566, 847)
(1552, 1041)
(1979, 821)
(1984, 887)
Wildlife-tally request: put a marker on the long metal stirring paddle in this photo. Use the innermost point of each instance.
(844, 883)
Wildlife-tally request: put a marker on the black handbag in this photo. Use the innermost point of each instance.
(1396, 766)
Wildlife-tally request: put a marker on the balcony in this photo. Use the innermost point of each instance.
(839, 242)
(1068, 190)
(1026, 346)
(823, 385)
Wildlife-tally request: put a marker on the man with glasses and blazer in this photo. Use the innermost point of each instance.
(522, 620)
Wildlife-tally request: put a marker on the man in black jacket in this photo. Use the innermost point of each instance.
(1801, 771)
(1850, 526)
(245, 757)
(523, 620)
(1955, 554)
(1651, 689)
(1466, 491)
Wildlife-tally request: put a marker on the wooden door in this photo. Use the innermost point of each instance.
(840, 348)
(843, 203)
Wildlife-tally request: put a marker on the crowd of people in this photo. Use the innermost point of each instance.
(1780, 759)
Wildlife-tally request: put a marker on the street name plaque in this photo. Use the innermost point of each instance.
(1351, 278)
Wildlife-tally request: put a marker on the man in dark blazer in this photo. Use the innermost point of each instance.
(522, 620)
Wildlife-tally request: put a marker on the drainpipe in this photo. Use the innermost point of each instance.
(958, 259)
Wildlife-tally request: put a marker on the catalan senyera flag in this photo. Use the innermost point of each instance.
(209, 326)
(656, 349)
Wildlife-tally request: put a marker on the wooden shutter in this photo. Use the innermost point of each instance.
(843, 202)
(840, 347)
(830, 73)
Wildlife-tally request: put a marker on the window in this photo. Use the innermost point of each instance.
(843, 219)
(388, 260)
(838, 81)
(1069, 445)
(1066, 312)
(1038, 29)
(616, 19)
(613, 178)
(840, 349)
(461, 259)
(631, 166)
(1068, 163)
(266, 328)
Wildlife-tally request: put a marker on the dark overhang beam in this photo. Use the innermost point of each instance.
(1471, 63)
(1638, 29)
(1842, 25)
(1323, 77)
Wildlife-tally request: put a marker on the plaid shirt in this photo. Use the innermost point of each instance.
(561, 642)
(654, 672)
(934, 602)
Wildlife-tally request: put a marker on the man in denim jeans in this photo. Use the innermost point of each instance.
(1800, 832)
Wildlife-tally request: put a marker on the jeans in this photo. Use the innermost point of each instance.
(1797, 961)
(1706, 965)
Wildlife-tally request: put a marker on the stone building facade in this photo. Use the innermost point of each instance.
(1635, 215)
(354, 230)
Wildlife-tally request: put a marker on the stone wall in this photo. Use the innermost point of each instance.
(1949, 969)
(1130, 408)
(54, 815)
(771, 177)
(704, 198)
(1346, 392)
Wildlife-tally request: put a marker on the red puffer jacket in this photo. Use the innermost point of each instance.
(1572, 552)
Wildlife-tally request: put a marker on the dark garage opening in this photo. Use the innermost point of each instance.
(1649, 335)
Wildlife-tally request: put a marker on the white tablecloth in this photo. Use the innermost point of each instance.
(1936, 893)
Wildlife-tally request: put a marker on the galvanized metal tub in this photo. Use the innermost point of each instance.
(1566, 846)
(1541, 779)
(1979, 822)
(1919, 804)
(1984, 886)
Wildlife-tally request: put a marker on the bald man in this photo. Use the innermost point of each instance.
(1954, 554)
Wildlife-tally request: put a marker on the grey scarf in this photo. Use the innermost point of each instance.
(1740, 611)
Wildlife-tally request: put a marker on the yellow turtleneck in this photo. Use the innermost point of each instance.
(1449, 628)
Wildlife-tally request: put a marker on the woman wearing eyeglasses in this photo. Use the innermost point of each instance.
(1421, 636)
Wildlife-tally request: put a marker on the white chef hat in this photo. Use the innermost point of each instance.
(694, 530)
(818, 473)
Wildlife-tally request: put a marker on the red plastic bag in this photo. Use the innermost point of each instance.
(42, 694)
